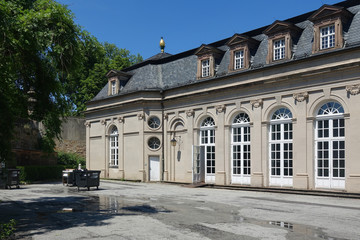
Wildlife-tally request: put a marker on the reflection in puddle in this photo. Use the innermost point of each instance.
(308, 232)
(116, 205)
(282, 224)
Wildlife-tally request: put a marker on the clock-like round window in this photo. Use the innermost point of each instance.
(154, 143)
(154, 122)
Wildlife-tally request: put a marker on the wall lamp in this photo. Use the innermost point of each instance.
(175, 140)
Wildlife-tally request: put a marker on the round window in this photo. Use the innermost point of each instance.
(154, 143)
(154, 122)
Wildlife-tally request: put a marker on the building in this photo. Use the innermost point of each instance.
(277, 106)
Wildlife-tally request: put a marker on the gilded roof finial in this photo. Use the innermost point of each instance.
(162, 44)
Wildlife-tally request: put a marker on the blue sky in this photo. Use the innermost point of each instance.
(138, 25)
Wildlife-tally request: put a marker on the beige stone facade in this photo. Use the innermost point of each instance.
(318, 137)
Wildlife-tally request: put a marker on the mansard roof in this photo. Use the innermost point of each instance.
(165, 71)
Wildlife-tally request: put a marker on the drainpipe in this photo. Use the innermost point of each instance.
(162, 136)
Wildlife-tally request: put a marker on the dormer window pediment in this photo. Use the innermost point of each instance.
(328, 27)
(281, 28)
(240, 51)
(327, 12)
(207, 57)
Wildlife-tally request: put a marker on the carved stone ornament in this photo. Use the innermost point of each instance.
(220, 108)
(353, 89)
(300, 97)
(190, 113)
(141, 116)
(120, 119)
(256, 103)
(87, 124)
(166, 116)
(103, 122)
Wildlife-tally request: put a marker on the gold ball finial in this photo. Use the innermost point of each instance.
(162, 44)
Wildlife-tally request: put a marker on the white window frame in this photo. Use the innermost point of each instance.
(327, 37)
(205, 68)
(114, 147)
(281, 148)
(240, 149)
(330, 115)
(207, 139)
(239, 59)
(279, 49)
(113, 87)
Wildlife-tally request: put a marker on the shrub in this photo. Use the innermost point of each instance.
(40, 173)
(70, 159)
(7, 229)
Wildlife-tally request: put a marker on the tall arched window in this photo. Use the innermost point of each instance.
(330, 146)
(207, 139)
(281, 148)
(240, 141)
(114, 147)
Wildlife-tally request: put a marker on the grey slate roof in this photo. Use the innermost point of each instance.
(164, 71)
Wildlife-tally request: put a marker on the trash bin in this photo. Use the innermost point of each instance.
(87, 178)
(68, 177)
(13, 178)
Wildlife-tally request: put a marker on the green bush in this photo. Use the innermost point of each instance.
(7, 229)
(40, 173)
(70, 159)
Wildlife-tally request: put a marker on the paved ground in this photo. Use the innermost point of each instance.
(124, 210)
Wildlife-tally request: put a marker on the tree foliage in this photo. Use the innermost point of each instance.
(38, 46)
(46, 57)
(97, 60)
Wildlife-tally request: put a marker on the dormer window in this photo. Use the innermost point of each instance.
(205, 68)
(281, 38)
(328, 27)
(279, 49)
(208, 57)
(116, 81)
(241, 47)
(239, 59)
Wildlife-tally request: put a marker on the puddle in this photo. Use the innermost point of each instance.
(112, 205)
(307, 232)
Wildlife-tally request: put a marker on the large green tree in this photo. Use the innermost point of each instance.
(48, 59)
(39, 45)
(96, 60)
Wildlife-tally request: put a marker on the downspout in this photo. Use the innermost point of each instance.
(162, 136)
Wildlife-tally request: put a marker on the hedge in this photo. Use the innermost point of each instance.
(40, 173)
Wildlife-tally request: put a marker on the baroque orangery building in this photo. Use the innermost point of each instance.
(277, 106)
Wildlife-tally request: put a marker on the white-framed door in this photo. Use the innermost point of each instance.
(207, 140)
(281, 149)
(330, 153)
(240, 150)
(198, 164)
(154, 168)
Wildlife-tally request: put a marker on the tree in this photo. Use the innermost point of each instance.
(97, 60)
(48, 59)
(39, 45)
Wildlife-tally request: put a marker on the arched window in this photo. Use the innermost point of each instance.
(114, 147)
(281, 148)
(330, 146)
(240, 141)
(207, 139)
